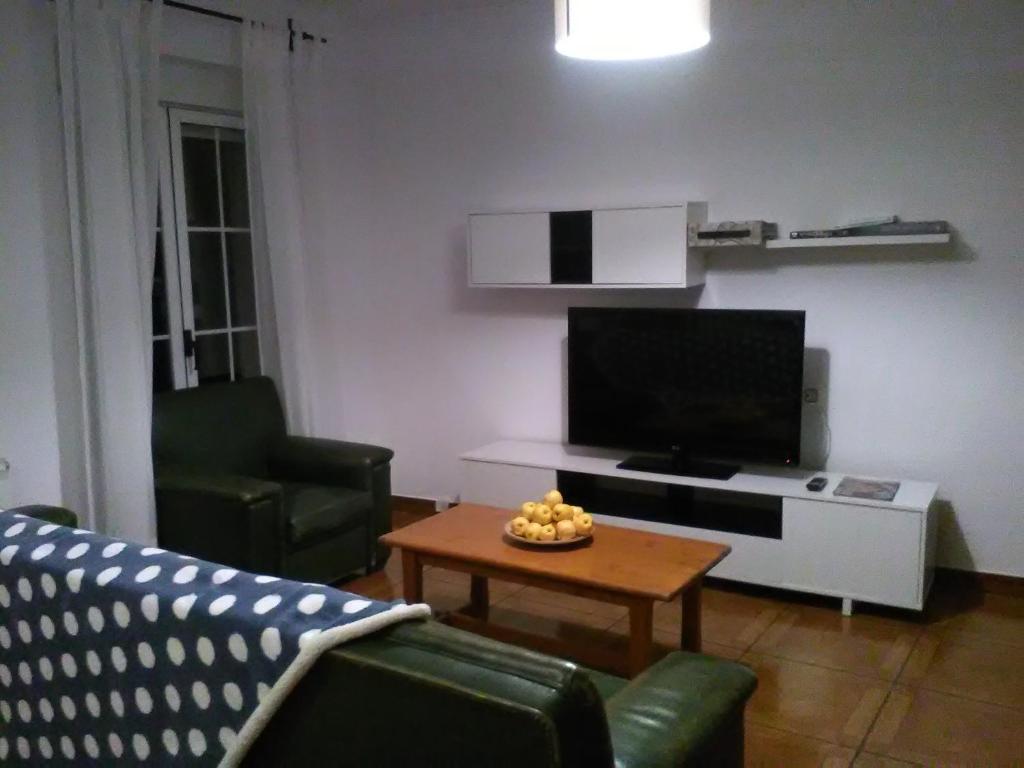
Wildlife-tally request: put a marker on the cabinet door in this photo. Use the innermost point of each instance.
(509, 249)
(640, 245)
(504, 485)
(866, 553)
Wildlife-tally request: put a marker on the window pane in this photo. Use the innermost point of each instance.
(240, 280)
(159, 290)
(163, 377)
(233, 177)
(205, 261)
(199, 157)
(247, 354)
(212, 362)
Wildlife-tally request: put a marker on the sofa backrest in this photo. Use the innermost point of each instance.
(425, 694)
(219, 428)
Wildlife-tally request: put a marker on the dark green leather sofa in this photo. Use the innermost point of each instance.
(233, 487)
(424, 694)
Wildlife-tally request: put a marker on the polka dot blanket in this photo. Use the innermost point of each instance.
(112, 653)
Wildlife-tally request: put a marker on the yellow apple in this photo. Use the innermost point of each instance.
(547, 533)
(565, 529)
(527, 509)
(561, 512)
(519, 525)
(577, 511)
(584, 524)
(542, 514)
(533, 531)
(552, 497)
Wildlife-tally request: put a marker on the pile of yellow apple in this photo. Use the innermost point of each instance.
(550, 519)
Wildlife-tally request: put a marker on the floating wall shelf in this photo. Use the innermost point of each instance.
(845, 242)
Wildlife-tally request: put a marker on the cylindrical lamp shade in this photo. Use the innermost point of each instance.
(630, 29)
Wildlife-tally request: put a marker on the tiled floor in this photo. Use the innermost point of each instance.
(880, 689)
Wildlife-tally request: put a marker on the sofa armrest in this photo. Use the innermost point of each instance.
(686, 710)
(224, 518)
(328, 462)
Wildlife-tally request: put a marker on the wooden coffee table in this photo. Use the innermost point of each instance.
(619, 565)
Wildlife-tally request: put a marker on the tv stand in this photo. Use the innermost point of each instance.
(782, 535)
(681, 465)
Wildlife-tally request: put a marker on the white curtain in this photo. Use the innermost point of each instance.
(109, 59)
(283, 92)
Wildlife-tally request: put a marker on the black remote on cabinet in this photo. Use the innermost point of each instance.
(817, 483)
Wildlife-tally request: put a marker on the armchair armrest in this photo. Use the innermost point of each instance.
(219, 517)
(328, 462)
(245, 490)
(686, 710)
(353, 465)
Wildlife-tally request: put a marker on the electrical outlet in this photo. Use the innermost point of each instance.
(810, 395)
(444, 502)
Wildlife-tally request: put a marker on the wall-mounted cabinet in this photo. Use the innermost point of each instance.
(606, 248)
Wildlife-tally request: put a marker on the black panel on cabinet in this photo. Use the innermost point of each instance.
(707, 508)
(571, 245)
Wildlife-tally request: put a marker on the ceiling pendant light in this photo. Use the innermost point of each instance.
(619, 30)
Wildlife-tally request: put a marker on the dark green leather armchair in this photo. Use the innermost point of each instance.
(232, 487)
(425, 694)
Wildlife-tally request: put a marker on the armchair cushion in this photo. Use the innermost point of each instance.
(315, 510)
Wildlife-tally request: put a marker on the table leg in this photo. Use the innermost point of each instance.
(412, 577)
(690, 634)
(641, 631)
(479, 597)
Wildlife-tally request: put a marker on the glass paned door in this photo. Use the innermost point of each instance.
(218, 307)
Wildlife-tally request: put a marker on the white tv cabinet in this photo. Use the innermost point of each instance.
(781, 534)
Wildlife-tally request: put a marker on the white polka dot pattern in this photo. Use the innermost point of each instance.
(112, 652)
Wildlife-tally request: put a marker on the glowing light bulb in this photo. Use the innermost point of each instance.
(618, 30)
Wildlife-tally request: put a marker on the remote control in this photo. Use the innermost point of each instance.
(817, 483)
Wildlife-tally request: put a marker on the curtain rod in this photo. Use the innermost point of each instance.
(236, 19)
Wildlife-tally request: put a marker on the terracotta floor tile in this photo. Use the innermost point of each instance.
(826, 704)
(665, 642)
(771, 748)
(993, 673)
(867, 760)
(550, 620)
(864, 645)
(979, 618)
(581, 604)
(727, 618)
(936, 729)
(498, 589)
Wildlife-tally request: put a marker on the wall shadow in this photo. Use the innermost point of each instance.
(815, 437)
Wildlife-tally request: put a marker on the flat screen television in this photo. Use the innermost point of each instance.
(690, 384)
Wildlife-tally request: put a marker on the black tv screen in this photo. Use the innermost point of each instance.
(714, 383)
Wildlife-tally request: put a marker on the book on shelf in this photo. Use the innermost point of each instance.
(895, 228)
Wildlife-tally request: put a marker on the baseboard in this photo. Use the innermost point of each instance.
(994, 583)
(414, 504)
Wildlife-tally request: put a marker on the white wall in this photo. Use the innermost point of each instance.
(801, 113)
